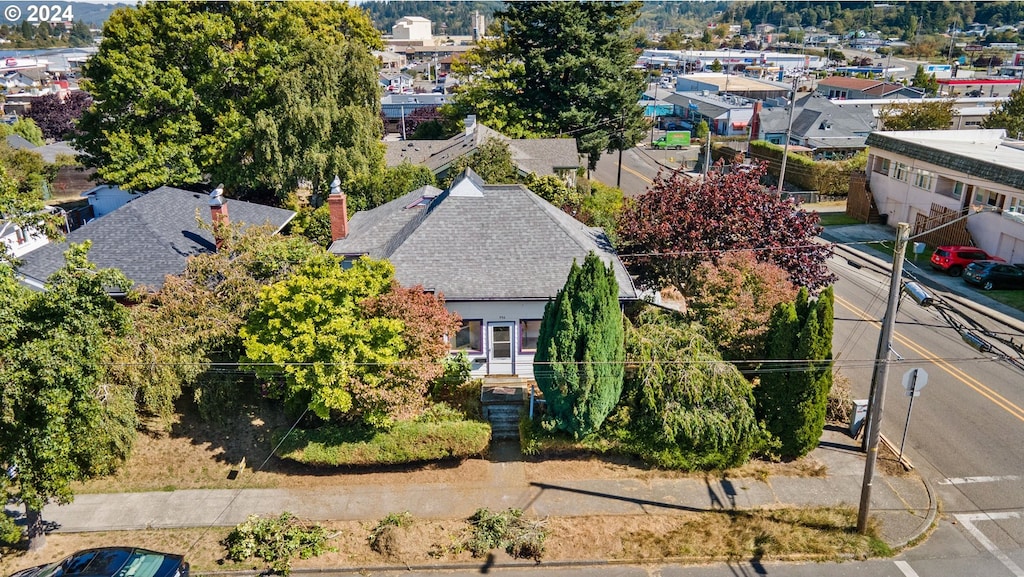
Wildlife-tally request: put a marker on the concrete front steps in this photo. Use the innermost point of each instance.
(504, 399)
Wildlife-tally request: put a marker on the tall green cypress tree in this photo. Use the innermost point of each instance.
(792, 397)
(581, 349)
(772, 394)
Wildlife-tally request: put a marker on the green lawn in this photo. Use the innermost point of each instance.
(1014, 299)
(888, 246)
(836, 219)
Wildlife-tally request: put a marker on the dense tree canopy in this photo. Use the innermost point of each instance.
(346, 342)
(792, 395)
(56, 116)
(257, 95)
(680, 222)
(60, 420)
(733, 300)
(559, 68)
(687, 408)
(194, 319)
(1009, 115)
(580, 350)
(935, 115)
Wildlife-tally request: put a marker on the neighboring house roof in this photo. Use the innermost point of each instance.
(875, 88)
(542, 156)
(49, 152)
(821, 122)
(150, 237)
(476, 241)
(983, 153)
(19, 142)
(711, 106)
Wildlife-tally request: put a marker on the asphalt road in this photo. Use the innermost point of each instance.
(965, 430)
(640, 165)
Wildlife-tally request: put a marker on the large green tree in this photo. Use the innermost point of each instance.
(687, 408)
(912, 115)
(257, 95)
(193, 321)
(580, 349)
(61, 421)
(1008, 115)
(796, 378)
(336, 341)
(559, 68)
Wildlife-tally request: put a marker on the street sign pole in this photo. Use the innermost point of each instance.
(913, 381)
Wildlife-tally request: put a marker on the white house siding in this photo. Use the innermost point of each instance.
(500, 311)
(901, 200)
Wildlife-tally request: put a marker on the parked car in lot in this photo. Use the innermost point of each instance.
(992, 274)
(953, 259)
(112, 562)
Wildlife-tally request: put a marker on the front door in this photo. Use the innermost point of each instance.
(499, 349)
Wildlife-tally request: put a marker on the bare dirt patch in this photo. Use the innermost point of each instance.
(819, 534)
(193, 454)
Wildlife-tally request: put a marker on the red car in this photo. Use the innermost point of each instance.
(953, 259)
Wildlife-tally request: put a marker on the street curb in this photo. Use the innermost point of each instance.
(929, 520)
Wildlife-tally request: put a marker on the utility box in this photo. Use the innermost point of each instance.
(858, 416)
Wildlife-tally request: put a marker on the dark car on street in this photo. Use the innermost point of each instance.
(953, 259)
(112, 562)
(991, 274)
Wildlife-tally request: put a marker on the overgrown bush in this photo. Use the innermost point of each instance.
(383, 538)
(276, 540)
(521, 538)
(839, 400)
(10, 532)
(405, 442)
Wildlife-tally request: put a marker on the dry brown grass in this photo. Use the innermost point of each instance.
(806, 534)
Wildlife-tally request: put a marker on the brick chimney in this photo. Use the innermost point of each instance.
(337, 206)
(755, 121)
(219, 215)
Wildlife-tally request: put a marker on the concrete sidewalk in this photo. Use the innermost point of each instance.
(903, 504)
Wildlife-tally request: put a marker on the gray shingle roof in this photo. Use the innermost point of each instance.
(151, 236)
(822, 123)
(538, 155)
(479, 242)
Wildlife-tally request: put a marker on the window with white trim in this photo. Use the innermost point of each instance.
(924, 179)
(900, 172)
(882, 166)
(1015, 209)
(958, 190)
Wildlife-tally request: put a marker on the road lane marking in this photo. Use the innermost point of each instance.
(969, 480)
(906, 569)
(967, 521)
(637, 174)
(954, 372)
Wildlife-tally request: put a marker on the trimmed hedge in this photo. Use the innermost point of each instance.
(405, 442)
(828, 177)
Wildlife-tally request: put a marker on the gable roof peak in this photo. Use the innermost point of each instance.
(468, 183)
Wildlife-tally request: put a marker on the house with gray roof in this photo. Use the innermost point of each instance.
(541, 156)
(152, 236)
(819, 124)
(923, 177)
(497, 252)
